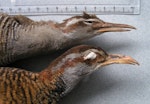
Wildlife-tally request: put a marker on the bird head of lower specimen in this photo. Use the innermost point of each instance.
(78, 62)
(87, 26)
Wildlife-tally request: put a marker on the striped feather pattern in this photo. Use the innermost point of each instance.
(8, 26)
(23, 87)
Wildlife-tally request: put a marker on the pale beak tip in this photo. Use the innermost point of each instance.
(136, 63)
(132, 27)
(133, 61)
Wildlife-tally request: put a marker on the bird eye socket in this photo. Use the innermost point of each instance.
(89, 21)
(90, 56)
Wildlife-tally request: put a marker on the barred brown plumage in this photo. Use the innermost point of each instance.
(22, 87)
(21, 37)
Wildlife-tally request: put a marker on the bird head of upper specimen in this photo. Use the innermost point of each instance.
(79, 61)
(87, 26)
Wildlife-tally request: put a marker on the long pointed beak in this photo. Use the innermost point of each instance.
(114, 27)
(118, 59)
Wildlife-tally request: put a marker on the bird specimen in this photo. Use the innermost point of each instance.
(21, 37)
(18, 86)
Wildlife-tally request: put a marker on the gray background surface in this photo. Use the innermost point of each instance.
(114, 84)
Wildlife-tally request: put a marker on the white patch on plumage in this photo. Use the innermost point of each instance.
(73, 21)
(91, 55)
(93, 20)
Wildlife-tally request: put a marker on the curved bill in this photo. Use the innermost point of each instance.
(113, 27)
(118, 59)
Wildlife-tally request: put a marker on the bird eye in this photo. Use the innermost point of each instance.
(90, 21)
